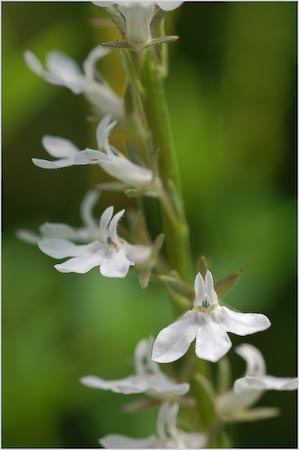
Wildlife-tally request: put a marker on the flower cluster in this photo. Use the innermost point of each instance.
(105, 244)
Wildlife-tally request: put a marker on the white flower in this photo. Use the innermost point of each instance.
(100, 244)
(114, 163)
(66, 152)
(208, 322)
(256, 378)
(168, 435)
(138, 17)
(64, 71)
(249, 389)
(108, 157)
(148, 377)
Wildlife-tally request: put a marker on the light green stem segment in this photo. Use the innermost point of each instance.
(155, 107)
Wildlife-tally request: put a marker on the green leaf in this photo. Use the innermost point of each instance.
(145, 270)
(117, 19)
(163, 40)
(202, 265)
(174, 281)
(227, 283)
(116, 44)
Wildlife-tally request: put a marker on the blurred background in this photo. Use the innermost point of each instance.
(232, 98)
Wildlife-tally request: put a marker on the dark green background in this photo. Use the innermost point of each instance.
(232, 99)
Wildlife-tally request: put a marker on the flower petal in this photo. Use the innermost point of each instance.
(89, 256)
(120, 441)
(136, 384)
(229, 403)
(192, 440)
(81, 264)
(45, 164)
(265, 383)
(104, 222)
(254, 360)
(89, 156)
(58, 230)
(164, 385)
(66, 69)
(137, 253)
(173, 341)
(166, 420)
(242, 324)
(103, 131)
(61, 248)
(92, 57)
(209, 287)
(169, 6)
(103, 4)
(113, 226)
(199, 287)
(212, 342)
(86, 207)
(128, 385)
(34, 64)
(142, 356)
(115, 264)
(127, 172)
(104, 99)
(59, 147)
(28, 236)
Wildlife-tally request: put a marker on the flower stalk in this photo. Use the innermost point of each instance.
(156, 110)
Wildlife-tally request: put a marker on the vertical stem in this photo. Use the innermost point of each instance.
(156, 110)
(175, 225)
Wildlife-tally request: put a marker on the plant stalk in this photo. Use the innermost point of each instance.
(156, 110)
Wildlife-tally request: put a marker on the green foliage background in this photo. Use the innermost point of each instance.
(232, 99)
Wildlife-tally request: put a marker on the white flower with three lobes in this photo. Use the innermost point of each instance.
(102, 246)
(168, 435)
(62, 70)
(148, 377)
(249, 389)
(208, 322)
(138, 17)
(107, 157)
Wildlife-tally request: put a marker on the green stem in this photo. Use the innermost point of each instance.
(156, 110)
(172, 206)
